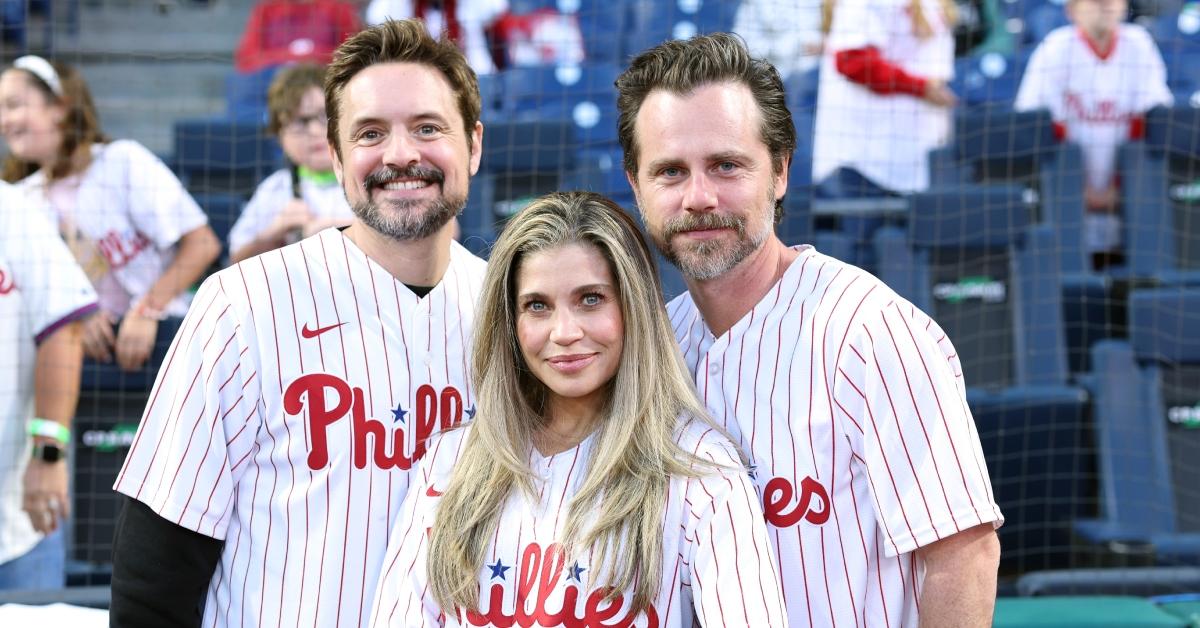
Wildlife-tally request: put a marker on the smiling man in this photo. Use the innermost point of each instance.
(277, 446)
(849, 400)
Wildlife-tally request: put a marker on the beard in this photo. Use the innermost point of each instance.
(407, 219)
(710, 259)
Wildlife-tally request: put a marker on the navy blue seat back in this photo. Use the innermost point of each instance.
(1159, 193)
(224, 155)
(973, 261)
(988, 78)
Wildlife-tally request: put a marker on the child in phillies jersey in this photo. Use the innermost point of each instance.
(136, 232)
(305, 197)
(591, 488)
(1097, 77)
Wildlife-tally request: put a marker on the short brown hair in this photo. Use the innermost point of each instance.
(80, 126)
(401, 41)
(680, 66)
(287, 90)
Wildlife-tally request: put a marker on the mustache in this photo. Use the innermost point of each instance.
(380, 176)
(703, 221)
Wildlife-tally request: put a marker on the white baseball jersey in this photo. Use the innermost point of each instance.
(41, 289)
(852, 406)
(287, 416)
(785, 32)
(323, 200)
(717, 565)
(133, 210)
(886, 137)
(1095, 97)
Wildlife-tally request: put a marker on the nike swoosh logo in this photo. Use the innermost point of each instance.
(313, 333)
(432, 492)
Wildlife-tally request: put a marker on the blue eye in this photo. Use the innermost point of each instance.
(592, 299)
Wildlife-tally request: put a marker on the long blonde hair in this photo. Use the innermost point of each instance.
(618, 511)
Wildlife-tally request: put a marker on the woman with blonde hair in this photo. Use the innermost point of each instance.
(591, 487)
(137, 233)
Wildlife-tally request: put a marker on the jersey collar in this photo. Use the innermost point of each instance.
(1092, 45)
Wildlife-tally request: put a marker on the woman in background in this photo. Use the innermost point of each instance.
(591, 485)
(131, 225)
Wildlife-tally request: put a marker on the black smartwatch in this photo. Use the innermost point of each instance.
(49, 452)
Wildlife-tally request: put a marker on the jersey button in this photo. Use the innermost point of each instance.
(714, 368)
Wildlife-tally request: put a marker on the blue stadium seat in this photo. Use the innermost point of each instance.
(1139, 581)
(1036, 442)
(528, 92)
(1183, 70)
(1176, 30)
(528, 146)
(993, 144)
(223, 155)
(246, 94)
(602, 22)
(1163, 227)
(1093, 310)
(802, 92)
(974, 261)
(652, 22)
(1042, 18)
(222, 209)
(989, 78)
(1147, 392)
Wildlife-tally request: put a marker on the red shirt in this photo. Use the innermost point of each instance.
(285, 31)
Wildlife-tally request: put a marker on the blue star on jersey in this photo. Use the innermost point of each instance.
(470, 412)
(499, 569)
(398, 414)
(575, 571)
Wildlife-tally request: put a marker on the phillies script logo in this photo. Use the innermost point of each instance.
(120, 250)
(781, 512)
(329, 399)
(6, 283)
(537, 575)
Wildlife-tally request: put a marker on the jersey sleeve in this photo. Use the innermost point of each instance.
(1154, 91)
(900, 399)
(1035, 91)
(200, 423)
(731, 565)
(159, 206)
(260, 210)
(54, 290)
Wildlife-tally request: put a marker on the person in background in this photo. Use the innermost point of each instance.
(289, 31)
(137, 233)
(305, 197)
(464, 21)
(1098, 77)
(882, 103)
(591, 462)
(787, 33)
(43, 296)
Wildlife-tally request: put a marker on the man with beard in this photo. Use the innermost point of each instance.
(849, 401)
(277, 444)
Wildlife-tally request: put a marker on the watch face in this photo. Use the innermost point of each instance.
(47, 452)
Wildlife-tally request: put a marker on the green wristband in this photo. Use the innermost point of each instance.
(49, 429)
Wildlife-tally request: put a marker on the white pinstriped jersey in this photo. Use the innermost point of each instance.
(852, 407)
(1095, 97)
(717, 565)
(287, 416)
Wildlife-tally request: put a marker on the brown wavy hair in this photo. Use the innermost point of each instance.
(680, 66)
(401, 41)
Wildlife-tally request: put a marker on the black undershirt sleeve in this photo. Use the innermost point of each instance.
(161, 571)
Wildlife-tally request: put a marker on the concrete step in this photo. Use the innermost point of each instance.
(139, 29)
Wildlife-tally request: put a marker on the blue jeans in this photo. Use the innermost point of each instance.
(43, 567)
